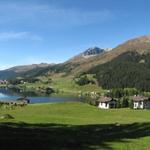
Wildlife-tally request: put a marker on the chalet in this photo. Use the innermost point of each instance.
(106, 102)
(141, 102)
(23, 99)
(3, 82)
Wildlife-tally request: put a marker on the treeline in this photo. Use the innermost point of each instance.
(123, 97)
(17, 81)
(128, 70)
(119, 92)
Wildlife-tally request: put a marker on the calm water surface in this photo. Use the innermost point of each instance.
(9, 95)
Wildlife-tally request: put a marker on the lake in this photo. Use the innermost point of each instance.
(10, 95)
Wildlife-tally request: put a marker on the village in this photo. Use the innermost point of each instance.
(138, 102)
(20, 102)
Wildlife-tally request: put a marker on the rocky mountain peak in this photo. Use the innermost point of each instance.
(92, 51)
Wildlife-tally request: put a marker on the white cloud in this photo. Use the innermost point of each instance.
(50, 15)
(4, 67)
(4, 36)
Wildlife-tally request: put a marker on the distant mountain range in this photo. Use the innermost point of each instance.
(127, 65)
(40, 69)
(19, 69)
(25, 70)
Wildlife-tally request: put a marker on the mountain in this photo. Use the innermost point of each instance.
(43, 68)
(92, 52)
(26, 70)
(78, 63)
(140, 45)
(74, 65)
(128, 66)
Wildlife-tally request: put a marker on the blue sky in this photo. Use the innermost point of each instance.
(34, 31)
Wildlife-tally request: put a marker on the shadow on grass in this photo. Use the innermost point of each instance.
(67, 137)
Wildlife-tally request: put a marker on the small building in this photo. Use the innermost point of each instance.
(141, 102)
(23, 99)
(106, 102)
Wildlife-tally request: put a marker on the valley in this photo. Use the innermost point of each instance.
(126, 66)
(74, 75)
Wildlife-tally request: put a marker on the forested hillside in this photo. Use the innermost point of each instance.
(130, 69)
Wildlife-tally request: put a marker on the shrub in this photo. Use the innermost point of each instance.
(124, 102)
(118, 103)
(85, 79)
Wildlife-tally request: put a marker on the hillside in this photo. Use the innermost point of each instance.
(140, 45)
(28, 70)
(130, 69)
(79, 64)
(19, 69)
(128, 65)
(67, 67)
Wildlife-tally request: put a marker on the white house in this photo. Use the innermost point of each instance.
(141, 102)
(106, 102)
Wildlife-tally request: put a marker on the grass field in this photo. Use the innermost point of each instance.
(77, 126)
(62, 86)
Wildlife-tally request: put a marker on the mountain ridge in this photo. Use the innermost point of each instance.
(79, 64)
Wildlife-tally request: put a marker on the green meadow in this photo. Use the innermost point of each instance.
(62, 86)
(77, 126)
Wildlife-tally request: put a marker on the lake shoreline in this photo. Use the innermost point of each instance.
(7, 94)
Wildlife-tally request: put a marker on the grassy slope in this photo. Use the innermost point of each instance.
(77, 126)
(64, 85)
(67, 85)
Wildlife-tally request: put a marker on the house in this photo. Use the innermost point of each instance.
(3, 82)
(24, 99)
(141, 102)
(106, 102)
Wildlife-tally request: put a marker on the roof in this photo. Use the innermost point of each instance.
(105, 99)
(23, 99)
(139, 98)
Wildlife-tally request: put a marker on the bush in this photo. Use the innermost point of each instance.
(88, 99)
(118, 103)
(131, 103)
(83, 80)
(124, 102)
(49, 90)
(117, 93)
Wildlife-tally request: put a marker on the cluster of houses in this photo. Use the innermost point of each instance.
(139, 102)
(3, 82)
(23, 101)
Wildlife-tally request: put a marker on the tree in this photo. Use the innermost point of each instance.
(131, 103)
(124, 102)
(118, 103)
(83, 80)
(117, 93)
(49, 90)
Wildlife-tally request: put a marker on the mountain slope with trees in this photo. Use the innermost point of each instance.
(130, 69)
(127, 65)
